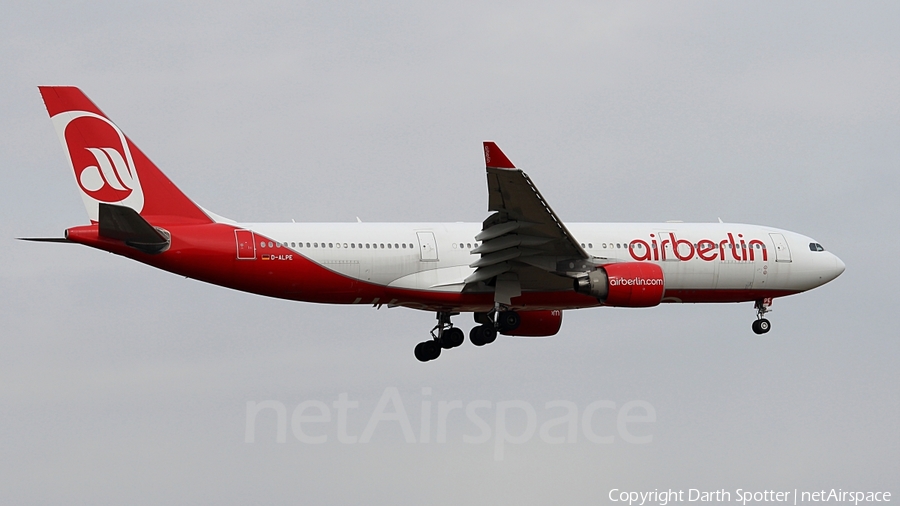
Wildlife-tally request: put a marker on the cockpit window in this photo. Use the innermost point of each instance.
(814, 246)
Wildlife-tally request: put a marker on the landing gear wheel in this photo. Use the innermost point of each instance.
(446, 343)
(489, 333)
(433, 349)
(761, 326)
(421, 354)
(428, 350)
(509, 320)
(476, 335)
(482, 335)
(452, 338)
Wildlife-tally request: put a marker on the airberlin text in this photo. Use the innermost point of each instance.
(669, 247)
(636, 281)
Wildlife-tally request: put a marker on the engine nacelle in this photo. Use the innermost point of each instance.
(530, 323)
(626, 284)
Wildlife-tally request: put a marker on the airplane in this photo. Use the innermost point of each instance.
(516, 272)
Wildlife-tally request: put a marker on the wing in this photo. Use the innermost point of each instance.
(524, 245)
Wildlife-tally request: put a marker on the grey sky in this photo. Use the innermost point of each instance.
(123, 384)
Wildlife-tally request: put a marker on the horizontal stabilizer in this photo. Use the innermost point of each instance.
(125, 224)
(44, 239)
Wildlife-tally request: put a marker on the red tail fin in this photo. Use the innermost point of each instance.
(108, 167)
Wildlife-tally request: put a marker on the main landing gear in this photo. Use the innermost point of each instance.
(492, 323)
(483, 334)
(762, 325)
(447, 337)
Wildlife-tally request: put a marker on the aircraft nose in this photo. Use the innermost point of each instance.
(829, 267)
(838, 267)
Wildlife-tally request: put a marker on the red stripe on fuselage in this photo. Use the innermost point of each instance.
(208, 253)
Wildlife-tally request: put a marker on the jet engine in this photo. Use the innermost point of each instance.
(530, 323)
(626, 284)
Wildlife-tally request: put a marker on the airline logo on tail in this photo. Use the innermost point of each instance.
(102, 161)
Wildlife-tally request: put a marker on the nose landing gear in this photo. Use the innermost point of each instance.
(762, 325)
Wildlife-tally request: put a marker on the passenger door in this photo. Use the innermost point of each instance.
(427, 246)
(782, 251)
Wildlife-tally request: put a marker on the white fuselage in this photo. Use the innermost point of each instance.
(437, 256)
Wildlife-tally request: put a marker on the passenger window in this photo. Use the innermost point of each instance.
(315, 245)
(367, 245)
(404, 245)
(262, 244)
(389, 245)
(591, 245)
(307, 245)
(271, 245)
(382, 245)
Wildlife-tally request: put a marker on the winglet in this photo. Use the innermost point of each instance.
(493, 157)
